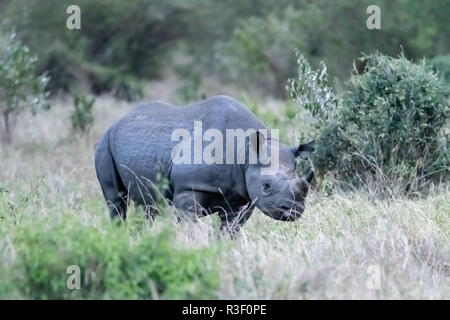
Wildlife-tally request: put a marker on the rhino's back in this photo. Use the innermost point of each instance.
(148, 128)
(141, 143)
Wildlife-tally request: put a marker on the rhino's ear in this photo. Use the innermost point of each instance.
(304, 150)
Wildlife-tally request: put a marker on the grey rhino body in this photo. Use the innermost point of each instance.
(134, 157)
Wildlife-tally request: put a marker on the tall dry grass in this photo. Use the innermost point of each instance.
(339, 249)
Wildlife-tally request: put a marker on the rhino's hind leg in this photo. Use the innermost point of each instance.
(115, 193)
(118, 208)
(117, 201)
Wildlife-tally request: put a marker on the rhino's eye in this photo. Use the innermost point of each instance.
(265, 187)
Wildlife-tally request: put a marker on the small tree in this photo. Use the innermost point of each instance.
(20, 89)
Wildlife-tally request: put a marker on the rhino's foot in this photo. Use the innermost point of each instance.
(118, 212)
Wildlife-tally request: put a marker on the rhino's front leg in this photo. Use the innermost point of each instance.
(233, 221)
(190, 203)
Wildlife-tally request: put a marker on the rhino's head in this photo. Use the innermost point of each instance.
(281, 195)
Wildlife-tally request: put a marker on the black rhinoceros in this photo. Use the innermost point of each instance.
(143, 148)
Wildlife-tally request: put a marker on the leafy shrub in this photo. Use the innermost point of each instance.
(389, 127)
(82, 117)
(20, 89)
(394, 116)
(116, 262)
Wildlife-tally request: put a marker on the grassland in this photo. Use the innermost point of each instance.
(52, 215)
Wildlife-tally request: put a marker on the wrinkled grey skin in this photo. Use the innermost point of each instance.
(135, 153)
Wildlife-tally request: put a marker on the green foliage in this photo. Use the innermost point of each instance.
(390, 126)
(82, 116)
(394, 116)
(116, 262)
(20, 89)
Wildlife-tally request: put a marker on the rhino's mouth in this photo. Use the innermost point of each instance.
(286, 213)
(293, 211)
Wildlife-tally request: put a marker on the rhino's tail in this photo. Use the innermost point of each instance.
(112, 186)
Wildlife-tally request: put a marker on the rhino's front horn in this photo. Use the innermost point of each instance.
(309, 176)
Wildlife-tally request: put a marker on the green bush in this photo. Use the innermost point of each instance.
(116, 262)
(393, 119)
(388, 128)
(82, 117)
